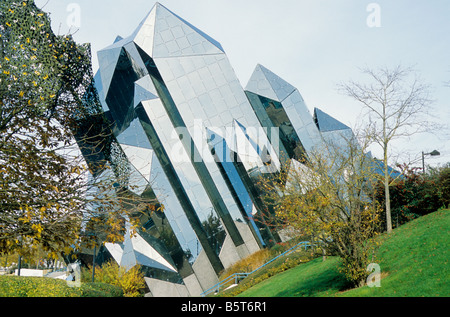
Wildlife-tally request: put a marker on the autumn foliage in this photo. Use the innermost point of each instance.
(42, 80)
(51, 119)
(329, 200)
(131, 281)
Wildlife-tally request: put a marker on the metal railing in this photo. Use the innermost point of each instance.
(237, 277)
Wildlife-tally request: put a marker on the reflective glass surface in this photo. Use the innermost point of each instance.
(285, 109)
(326, 123)
(184, 134)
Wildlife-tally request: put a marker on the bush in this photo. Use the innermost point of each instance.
(247, 264)
(441, 177)
(22, 286)
(131, 282)
(417, 194)
(101, 290)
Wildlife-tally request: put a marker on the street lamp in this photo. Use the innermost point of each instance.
(20, 256)
(434, 153)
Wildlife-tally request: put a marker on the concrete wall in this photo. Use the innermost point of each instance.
(30, 272)
(160, 288)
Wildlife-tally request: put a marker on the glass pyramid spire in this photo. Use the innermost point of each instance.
(265, 83)
(326, 123)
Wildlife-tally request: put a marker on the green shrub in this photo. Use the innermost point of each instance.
(247, 264)
(416, 194)
(441, 177)
(97, 289)
(131, 282)
(22, 286)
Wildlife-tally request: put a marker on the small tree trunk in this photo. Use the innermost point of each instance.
(362, 283)
(386, 186)
(387, 194)
(388, 209)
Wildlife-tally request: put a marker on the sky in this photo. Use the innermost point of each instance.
(312, 44)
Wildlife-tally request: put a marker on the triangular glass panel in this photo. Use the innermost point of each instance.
(247, 149)
(259, 85)
(265, 83)
(281, 87)
(299, 174)
(214, 136)
(325, 122)
(128, 259)
(141, 159)
(240, 127)
(136, 61)
(116, 251)
(135, 135)
(217, 142)
(118, 38)
(147, 255)
(99, 86)
(143, 36)
(136, 181)
(175, 37)
(107, 59)
(144, 90)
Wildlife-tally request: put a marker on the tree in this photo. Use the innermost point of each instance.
(49, 116)
(40, 75)
(396, 104)
(329, 199)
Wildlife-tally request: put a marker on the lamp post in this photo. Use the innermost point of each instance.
(434, 153)
(19, 264)
(93, 263)
(92, 234)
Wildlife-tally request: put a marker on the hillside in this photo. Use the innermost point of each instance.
(413, 260)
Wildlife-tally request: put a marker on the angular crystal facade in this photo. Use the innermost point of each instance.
(278, 104)
(189, 136)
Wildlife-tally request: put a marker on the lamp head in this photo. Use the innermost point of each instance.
(435, 153)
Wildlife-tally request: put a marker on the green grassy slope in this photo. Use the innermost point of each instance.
(413, 260)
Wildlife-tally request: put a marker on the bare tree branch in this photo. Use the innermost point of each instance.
(396, 104)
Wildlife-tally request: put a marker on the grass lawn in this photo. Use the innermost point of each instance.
(413, 260)
(315, 278)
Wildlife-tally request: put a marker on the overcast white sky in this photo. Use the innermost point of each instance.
(312, 44)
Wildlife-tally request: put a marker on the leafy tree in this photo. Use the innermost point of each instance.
(328, 198)
(41, 78)
(49, 116)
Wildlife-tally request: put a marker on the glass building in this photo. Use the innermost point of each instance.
(189, 136)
